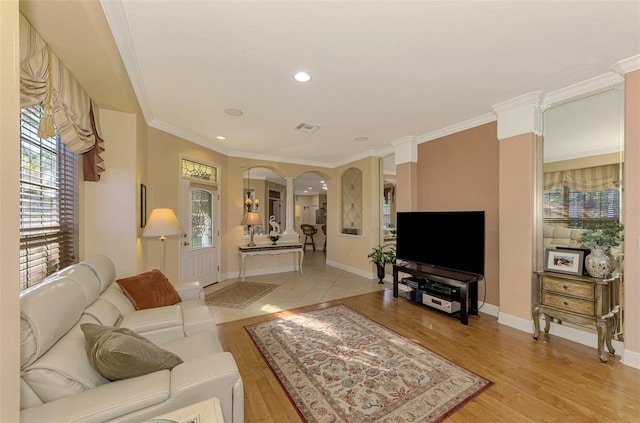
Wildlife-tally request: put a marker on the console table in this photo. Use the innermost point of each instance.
(466, 283)
(581, 300)
(271, 250)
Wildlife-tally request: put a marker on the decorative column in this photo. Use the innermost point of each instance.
(289, 220)
(406, 155)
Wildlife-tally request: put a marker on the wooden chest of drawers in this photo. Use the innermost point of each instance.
(581, 300)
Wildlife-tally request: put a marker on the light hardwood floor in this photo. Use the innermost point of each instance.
(549, 380)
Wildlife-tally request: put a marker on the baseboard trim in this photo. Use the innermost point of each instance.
(490, 309)
(589, 339)
(258, 272)
(351, 269)
(630, 358)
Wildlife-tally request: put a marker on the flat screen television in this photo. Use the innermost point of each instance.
(452, 240)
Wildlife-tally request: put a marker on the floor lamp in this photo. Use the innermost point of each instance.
(161, 224)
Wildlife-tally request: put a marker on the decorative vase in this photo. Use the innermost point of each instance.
(598, 263)
(381, 273)
(274, 240)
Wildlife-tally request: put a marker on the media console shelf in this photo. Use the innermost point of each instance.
(465, 285)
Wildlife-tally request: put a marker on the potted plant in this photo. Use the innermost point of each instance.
(381, 255)
(600, 239)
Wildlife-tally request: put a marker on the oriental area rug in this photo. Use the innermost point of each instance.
(239, 294)
(339, 366)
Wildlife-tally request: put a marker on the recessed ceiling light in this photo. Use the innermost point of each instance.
(221, 138)
(322, 182)
(361, 139)
(234, 112)
(302, 77)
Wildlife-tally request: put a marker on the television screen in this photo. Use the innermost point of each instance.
(448, 239)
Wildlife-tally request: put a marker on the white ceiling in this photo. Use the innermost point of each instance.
(384, 70)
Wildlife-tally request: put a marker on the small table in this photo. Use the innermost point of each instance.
(581, 300)
(271, 250)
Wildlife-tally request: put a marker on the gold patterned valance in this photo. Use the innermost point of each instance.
(71, 106)
(590, 179)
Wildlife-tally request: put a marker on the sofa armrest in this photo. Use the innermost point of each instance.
(190, 290)
(105, 402)
(214, 375)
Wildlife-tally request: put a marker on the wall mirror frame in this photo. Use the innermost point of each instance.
(582, 157)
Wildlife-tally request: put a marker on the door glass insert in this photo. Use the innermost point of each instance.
(201, 223)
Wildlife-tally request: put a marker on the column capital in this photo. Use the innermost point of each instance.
(406, 150)
(520, 115)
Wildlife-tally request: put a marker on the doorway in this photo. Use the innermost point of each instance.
(200, 245)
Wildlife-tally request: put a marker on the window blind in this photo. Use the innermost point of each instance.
(48, 202)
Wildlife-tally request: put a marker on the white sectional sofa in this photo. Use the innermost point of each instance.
(58, 380)
(562, 237)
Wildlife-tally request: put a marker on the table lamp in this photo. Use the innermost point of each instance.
(250, 219)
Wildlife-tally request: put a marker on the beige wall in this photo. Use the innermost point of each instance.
(517, 215)
(632, 219)
(141, 178)
(9, 215)
(460, 172)
(350, 251)
(111, 212)
(163, 190)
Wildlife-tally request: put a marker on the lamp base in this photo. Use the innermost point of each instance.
(251, 244)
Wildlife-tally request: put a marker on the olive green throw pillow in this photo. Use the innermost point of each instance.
(120, 353)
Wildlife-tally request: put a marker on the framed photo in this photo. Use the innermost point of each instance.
(573, 250)
(143, 205)
(564, 261)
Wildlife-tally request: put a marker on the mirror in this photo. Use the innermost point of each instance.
(583, 162)
(264, 191)
(389, 199)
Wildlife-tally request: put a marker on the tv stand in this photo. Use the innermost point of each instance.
(465, 285)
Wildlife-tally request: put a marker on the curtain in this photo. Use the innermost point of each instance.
(72, 107)
(590, 179)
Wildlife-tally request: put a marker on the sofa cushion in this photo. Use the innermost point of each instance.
(149, 290)
(63, 370)
(47, 311)
(120, 353)
(103, 268)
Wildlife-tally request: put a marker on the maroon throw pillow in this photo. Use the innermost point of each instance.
(149, 290)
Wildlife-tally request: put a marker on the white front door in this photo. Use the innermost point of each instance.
(200, 245)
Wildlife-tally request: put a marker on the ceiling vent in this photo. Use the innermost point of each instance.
(307, 127)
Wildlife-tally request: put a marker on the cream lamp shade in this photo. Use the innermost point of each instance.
(161, 224)
(251, 218)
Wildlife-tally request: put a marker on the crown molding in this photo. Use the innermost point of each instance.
(187, 135)
(627, 65)
(119, 26)
(458, 127)
(265, 157)
(590, 86)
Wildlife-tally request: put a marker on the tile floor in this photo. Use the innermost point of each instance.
(319, 283)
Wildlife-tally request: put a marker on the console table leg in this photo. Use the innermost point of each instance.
(602, 329)
(535, 313)
(242, 267)
(301, 258)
